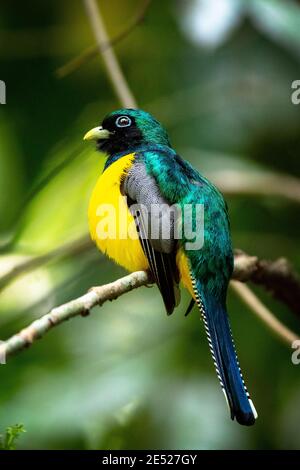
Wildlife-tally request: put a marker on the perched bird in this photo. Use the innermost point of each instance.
(143, 171)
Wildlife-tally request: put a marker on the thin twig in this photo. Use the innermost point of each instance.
(236, 182)
(80, 306)
(278, 277)
(113, 68)
(92, 51)
(262, 312)
(98, 295)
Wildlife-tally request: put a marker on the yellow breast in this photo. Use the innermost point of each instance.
(111, 224)
(184, 271)
(109, 215)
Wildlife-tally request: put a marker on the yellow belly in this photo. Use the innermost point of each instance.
(109, 216)
(111, 224)
(184, 271)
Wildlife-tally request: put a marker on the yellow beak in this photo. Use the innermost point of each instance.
(97, 133)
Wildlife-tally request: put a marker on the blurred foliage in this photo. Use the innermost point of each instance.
(12, 433)
(218, 74)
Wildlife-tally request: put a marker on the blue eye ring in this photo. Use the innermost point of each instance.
(123, 121)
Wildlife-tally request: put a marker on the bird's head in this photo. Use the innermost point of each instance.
(127, 129)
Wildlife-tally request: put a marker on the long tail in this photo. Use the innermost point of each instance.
(223, 352)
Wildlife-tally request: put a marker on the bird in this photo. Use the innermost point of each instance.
(142, 170)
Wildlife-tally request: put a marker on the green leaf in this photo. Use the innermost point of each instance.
(8, 440)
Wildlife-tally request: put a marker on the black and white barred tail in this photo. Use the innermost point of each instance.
(216, 324)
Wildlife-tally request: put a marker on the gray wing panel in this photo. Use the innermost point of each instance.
(155, 225)
(159, 216)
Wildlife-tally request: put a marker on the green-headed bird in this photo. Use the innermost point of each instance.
(145, 183)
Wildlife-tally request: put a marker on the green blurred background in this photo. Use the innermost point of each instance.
(218, 74)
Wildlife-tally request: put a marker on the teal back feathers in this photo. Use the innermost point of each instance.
(167, 177)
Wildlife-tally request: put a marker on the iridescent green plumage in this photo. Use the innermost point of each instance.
(160, 176)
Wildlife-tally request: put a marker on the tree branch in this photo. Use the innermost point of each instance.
(278, 277)
(236, 182)
(80, 306)
(247, 268)
(113, 68)
(263, 313)
(92, 51)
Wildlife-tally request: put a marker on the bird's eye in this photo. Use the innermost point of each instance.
(123, 121)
